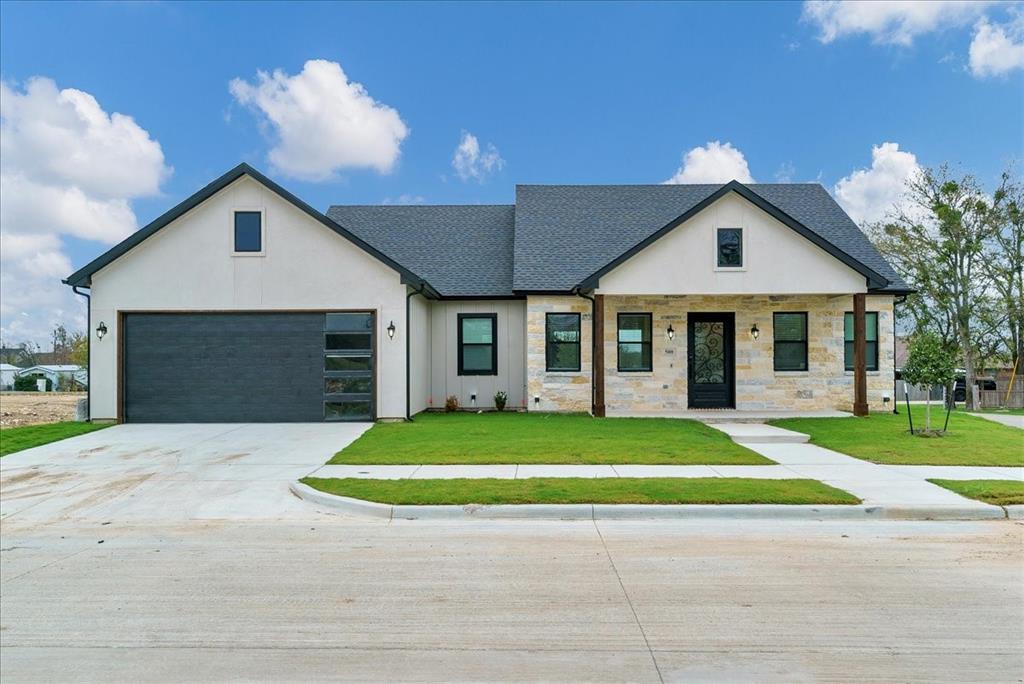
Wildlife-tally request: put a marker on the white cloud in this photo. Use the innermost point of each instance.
(715, 162)
(322, 122)
(785, 172)
(470, 163)
(66, 168)
(869, 195)
(997, 49)
(404, 198)
(896, 21)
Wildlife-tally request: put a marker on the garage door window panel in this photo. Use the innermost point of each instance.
(348, 366)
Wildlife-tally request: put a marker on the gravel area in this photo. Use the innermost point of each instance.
(33, 408)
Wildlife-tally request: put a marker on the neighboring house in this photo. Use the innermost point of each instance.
(7, 373)
(243, 303)
(56, 373)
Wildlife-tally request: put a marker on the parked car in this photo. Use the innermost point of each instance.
(960, 386)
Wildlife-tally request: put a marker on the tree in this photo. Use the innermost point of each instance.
(79, 350)
(1005, 268)
(930, 363)
(939, 241)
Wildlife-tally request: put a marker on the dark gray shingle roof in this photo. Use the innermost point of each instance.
(462, 251)
(565, 233)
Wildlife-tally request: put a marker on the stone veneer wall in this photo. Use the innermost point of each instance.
(825, 385)
(561, 391)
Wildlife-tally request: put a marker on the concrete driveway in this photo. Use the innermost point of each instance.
(169, 473)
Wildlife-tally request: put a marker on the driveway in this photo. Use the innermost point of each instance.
(169, 473)
(1004, 418)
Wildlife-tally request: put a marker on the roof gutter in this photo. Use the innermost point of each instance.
(88, 351)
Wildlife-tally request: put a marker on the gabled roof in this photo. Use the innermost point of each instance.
(567, 236)
(82, 277)
(463, 251)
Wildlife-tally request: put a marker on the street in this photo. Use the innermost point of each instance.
(330, 598)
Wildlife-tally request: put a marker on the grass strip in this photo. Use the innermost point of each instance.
(13, 439)
(996, 492)
(573, 490)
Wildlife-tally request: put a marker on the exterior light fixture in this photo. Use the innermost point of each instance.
(670, 332)
(391, 330)
(101, 330)
(754, 332)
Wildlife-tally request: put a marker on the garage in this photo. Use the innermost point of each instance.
(253, 367)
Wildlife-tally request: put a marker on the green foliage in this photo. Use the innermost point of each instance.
(930, 362)
(79, 354)
(575, 490)
(27, 383)
(509, 437)
(500, 399)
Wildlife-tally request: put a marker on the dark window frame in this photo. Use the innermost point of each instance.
(718, 247)
(776, 342)
(871, 362)
(649, 343)
(234, 231)
(493, 344)
(549, 344)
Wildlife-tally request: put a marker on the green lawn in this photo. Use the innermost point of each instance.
(18, 438)
(447, 438)
(998, 492)
(570, 490)
(883, 438)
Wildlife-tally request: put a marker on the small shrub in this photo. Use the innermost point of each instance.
(27, 383)
(451, 403)
(500, 399)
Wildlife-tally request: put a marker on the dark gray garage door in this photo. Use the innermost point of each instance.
(247, 367)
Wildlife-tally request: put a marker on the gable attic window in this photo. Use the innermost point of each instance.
(729, 247)
(248, 232)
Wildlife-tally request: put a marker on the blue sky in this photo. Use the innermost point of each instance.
(550, 93)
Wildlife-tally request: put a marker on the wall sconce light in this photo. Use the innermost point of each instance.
(101, 330)
(670, 332)
(391, 331)
(754, 332)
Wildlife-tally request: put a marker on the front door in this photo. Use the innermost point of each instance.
(710, 356)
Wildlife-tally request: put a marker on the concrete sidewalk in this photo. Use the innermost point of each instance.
(1002, 418)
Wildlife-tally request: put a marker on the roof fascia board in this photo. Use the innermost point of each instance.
(874, 279)
(82, 277)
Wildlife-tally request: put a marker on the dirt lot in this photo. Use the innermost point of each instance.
(32, 408)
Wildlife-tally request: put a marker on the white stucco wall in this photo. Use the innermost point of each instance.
(189, 266)
(419, 353)
(776, 259)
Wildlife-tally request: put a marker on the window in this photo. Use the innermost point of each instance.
(790, 341)
(634, 337)
(730, 247)
(248, 231)
(563, 341)
(348, 366)
(478, 347)
(871, 345)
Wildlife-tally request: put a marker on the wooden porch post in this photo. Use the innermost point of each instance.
(597, 374)
(860, 370)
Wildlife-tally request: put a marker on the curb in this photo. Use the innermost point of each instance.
(1015, 512)
(650, 512)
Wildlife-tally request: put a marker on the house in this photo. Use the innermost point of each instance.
(243, 303)
(56, 374)
(7, 373)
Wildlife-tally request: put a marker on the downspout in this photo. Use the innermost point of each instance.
(895, 399)
(88, 351)
(408, 342)
(593, 347)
